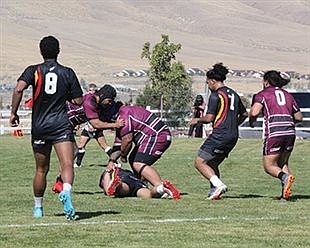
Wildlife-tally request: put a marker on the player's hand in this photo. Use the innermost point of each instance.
(110, 166)
(119, 123)
(14, 120)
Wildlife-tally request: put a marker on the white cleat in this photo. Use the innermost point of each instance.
(218, 192)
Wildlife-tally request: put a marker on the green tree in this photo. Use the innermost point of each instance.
(168, 85)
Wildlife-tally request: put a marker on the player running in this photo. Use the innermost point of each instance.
(225, 111)
(280, 112)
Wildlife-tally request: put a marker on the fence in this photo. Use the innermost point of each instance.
(302, 129)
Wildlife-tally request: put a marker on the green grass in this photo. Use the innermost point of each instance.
(248, 215)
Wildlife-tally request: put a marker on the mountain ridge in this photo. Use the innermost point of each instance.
(99, 38)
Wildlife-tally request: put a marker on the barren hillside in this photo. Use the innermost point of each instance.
(100, 37)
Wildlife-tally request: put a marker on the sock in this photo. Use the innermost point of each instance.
(67, 187)
(58, 178)
(108, 150)
(216, 181)
(281, 175)
(160, 189)
(38, 202)
(79, 156)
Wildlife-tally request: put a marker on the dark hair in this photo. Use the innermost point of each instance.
(276, 78)
(106, 91)
(49, 47)
(198, 100)
(218, 72)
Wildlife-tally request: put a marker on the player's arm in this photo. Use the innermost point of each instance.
(126, 146)
(242, 117)
(204, 119)
(298, 116)
(16, 99)
(254, 112)
(98, 124)
(77, 101)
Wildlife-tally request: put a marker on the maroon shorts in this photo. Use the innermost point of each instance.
(151, 149)
(278, 145)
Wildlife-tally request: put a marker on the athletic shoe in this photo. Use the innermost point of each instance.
(65, 198)
(211, 192)
(167, 195)
(115, 181)
(171, 190)
(58, 187)
(286, 186)
(218, 192)
(38, 212)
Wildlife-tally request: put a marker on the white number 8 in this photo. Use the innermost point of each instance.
(50, 83)
(280, 97)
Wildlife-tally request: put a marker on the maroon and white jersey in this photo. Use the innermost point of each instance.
(91, 108)
(279, 107)
(144, 125)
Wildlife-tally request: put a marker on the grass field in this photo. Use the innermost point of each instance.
(248, 215)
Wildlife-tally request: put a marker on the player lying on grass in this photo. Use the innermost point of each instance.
(124, 183)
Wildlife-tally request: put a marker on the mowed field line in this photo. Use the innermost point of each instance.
(181, 220)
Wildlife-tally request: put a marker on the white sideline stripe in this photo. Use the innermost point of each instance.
(111, 222)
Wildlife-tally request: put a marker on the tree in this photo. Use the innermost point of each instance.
(168, 85)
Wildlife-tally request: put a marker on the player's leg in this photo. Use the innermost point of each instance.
(58, 185)
(150, 174)
(103, 143)
(42, 160)
(64, 151)
(288, 179)
(283, 162)
(84, 139)
(209, 169)
(272, 167)
(144, 193)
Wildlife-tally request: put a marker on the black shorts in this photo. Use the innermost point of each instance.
(140, 157)
(38, 144)
(133, 182)
(213, 150)
(92, 134)
(130, 179)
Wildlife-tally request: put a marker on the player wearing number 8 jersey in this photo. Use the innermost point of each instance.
(53, 85)
(226, 111)
(280, 112)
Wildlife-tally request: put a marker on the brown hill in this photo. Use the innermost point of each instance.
(99, 38)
